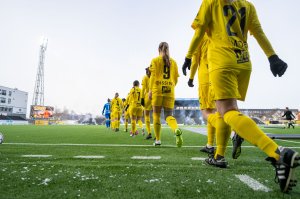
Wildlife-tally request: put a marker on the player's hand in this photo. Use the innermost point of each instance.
(277, 66)
(143, 102)
(191, 83)
(150, 95)
(186, 65)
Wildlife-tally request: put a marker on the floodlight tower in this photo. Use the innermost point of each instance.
(38, 95)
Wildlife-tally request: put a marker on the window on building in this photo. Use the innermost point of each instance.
(9, 101)
(9, 93)
(10, 110)
(5, 109)
(2, 100)
(3, 92)
(1, 108)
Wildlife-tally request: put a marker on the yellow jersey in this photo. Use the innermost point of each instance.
(199, 61)
(163, 79)
(135, 97)
(116, 104)
(227, 24)
(145, 87)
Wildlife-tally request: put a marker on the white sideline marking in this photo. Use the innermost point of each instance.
(252, 183)
(198, 158)
(90, 156)
(36, 156)
(145, 157)
(118, 145)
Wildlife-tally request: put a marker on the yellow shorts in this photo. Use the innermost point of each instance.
(148, 105)
(126, 115)
(116, 114)
(167, 102)
(136, 111)
(206, 97)
(229, 83)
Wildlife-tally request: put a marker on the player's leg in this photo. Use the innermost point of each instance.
(211, 130)
(157, 106)
(168, 104)
(133, 121)
(147, 122)
(139, 114)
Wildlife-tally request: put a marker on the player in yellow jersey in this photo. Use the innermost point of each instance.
(207, 104)
(146, 103)
(163, 79)
(135, 107)
(228, 23)
(117, 106)
(126, 114)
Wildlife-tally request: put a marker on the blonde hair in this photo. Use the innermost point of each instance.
(164, 50)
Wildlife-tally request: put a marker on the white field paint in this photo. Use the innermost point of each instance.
(118, 145)
(198, 158)
(146, 157)
(288, 141)
(36, 156)
(90, 156)
(252, 183)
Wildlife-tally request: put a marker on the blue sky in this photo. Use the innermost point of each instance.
(99, 47)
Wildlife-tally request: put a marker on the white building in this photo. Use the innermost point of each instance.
(13, 102)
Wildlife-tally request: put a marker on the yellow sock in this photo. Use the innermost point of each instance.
(248, 130)
(140, 123)
(211, 132)
(223, 132)
(133, 126)
(156, 125)
(147, 122)
(113, 124)
(172, 123)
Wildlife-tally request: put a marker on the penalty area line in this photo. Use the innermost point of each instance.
(36, 156)
(146, 157)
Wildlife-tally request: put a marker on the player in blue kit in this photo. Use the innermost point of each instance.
(106, 113)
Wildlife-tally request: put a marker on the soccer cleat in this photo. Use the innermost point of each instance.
(285, 168)
(210, 150)
(131, 134)
(217, 162)
(136, 132)
(117, 129)
(236, 145)
(157, 143)
(179, 139)
(149, 136)
(125, 130)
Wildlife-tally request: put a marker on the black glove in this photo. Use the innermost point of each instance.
(186, 65)
(190, 83)
(278, 67)
(143, 102)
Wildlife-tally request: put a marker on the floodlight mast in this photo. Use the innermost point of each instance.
(38, 95)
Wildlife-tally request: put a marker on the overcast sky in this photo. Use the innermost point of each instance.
(99, 47)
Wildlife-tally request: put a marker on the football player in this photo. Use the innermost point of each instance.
(163, 79)
(117, 106)
(146, 103)
(228, 23)
(135, 107)
(106, 113)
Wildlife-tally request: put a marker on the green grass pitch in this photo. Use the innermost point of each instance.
(117, 175)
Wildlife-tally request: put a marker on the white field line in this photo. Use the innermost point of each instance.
(198, 158)
(252, 183)
(145, 157)
(288, 141)
(90, 156)
(36, 156)
(116, 145)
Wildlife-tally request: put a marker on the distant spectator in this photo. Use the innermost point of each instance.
(290, 117)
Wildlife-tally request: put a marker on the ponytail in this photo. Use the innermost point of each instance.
(164, 50)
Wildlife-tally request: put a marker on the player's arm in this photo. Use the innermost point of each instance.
(152, 78)
(143, 91)
(278, 67)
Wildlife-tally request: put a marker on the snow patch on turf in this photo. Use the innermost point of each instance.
(146, 157)
(45, 182)
(252, 183)
(36, 156)
(90, 156)
(198, 158)
(152, 180)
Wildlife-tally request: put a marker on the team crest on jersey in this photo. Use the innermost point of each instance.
(166, 89)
